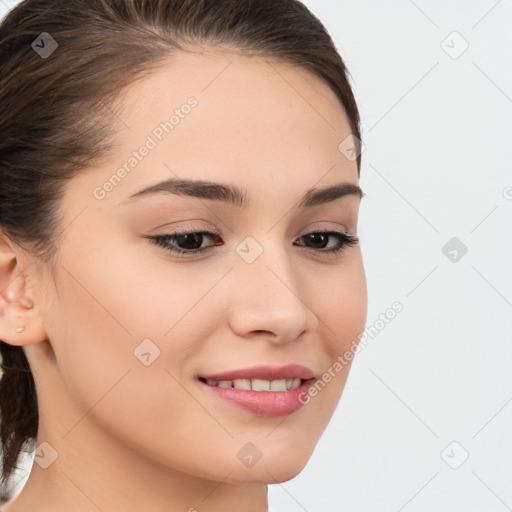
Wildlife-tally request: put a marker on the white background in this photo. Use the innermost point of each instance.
(437, 164)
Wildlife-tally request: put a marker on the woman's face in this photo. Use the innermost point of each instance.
(136, 329)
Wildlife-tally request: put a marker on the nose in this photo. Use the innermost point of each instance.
(268, 300)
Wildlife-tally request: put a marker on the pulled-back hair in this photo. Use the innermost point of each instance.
(57, 118)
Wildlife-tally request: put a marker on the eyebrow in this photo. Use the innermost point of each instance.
(237, 197)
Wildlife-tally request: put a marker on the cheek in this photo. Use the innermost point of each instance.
(341, 301)
(110, 385)
(116, 318)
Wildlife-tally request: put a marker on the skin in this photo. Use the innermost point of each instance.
(131, 437)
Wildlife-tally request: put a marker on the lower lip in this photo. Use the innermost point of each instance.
(269, 404)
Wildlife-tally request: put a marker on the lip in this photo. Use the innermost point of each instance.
(269, 404)
(289, 371)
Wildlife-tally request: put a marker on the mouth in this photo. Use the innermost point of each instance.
(255, 384)
(264, 391)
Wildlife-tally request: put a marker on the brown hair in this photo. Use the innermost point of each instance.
(56, 122)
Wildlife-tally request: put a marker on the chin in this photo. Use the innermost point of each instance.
(274, 470)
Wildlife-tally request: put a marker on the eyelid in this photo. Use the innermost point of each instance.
(185, 230)
(344, 238)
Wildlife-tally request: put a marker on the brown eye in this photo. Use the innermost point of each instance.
(318, 240)
(189, 242)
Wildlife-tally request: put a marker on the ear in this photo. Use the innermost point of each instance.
(20, 319)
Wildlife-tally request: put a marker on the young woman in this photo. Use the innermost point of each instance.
(181, 281)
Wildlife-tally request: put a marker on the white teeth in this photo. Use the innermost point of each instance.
(242, 383)
(256, 384)
(278, 385)
(260, 385)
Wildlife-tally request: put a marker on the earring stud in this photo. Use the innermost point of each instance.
(20, 329)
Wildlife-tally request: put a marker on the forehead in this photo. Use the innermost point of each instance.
(237, 92)
(249, 111)
(268, 127)
(224, 77)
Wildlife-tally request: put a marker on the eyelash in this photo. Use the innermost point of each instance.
(345, 240)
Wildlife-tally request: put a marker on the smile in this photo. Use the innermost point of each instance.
(264, 391)
(257, 384)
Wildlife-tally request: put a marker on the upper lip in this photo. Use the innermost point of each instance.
(289, 371)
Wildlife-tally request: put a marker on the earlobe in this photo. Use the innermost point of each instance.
(20, 320)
